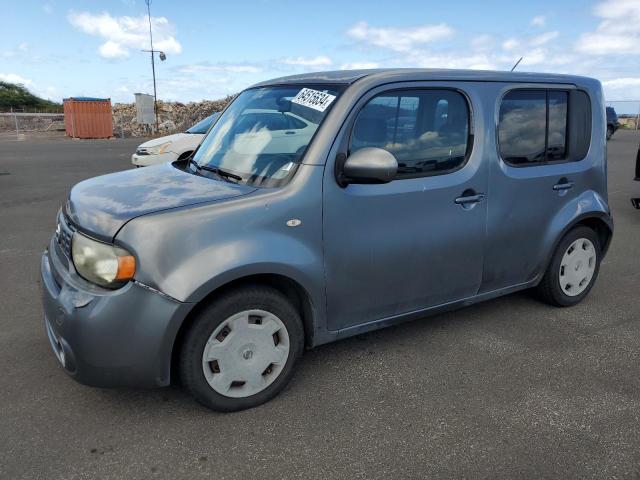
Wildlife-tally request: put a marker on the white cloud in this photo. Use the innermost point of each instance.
(14, 78)
(319, 61)
(510, 44)
(399, 39)
(539, 21)
(617, 33)
(626, 82)
(111, 49)
(478, 61)
(220, 67)
(543, 38)
(124, 33)
(534, 57)
(624, 88)
(482, 42)
(518, 44)
(359, 65)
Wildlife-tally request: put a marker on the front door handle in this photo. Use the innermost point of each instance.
(466, 199)
(566, 185)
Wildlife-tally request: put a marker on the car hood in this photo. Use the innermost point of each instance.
(169, 138)
(102, 205)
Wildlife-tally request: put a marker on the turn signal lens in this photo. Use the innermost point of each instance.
(126, 267)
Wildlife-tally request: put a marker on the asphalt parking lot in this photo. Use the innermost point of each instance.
(510, 388)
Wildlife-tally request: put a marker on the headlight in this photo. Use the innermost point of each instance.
(158, 149)
(100, 263)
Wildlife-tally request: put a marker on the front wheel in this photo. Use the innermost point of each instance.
(241, 349)
(573, 269)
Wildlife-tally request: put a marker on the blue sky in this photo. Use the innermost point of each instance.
(69, 48)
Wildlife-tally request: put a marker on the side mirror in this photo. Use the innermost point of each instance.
(368, 165)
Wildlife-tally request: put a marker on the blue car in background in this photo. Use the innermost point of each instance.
(612, 122)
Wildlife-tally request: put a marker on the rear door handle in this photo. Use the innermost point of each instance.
(478, 197)
(563, 186)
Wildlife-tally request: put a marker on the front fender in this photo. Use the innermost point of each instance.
(218, 265)
(189, 252)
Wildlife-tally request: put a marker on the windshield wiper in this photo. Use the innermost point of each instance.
(218, 171)
(221, 172)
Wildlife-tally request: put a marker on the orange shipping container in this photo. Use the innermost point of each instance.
(86, 117)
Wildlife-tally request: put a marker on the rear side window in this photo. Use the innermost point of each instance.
(426, 130)
(533, 126)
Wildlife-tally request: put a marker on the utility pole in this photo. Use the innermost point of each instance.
(153, 66)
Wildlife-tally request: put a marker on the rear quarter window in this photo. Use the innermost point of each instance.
(539, 126)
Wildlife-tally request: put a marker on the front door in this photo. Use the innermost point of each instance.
(418, 241)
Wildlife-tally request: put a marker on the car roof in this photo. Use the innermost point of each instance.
(384, 75)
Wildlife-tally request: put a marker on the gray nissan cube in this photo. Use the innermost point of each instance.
(321, 206)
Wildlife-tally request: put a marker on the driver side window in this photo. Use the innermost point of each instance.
(426, 130)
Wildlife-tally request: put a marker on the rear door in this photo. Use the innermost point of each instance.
(535, 173)
(418, 241)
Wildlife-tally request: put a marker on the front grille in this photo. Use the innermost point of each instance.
(64, 233)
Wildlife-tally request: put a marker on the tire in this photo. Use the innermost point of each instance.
(240, 350)
(561, 269)
(609, 132)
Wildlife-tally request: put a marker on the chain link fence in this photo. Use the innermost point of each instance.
(21, 123)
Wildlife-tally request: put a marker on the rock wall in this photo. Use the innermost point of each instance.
(172, 116)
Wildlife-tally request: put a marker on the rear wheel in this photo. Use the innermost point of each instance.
(573, 269)
(241, 349)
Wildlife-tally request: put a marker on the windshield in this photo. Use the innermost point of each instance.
(262, 136)
(203, 125)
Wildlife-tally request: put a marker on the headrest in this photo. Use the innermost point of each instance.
(370, 130)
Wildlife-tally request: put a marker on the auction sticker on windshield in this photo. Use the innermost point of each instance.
(315, 99)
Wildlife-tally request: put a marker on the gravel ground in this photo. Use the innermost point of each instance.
(509, 388)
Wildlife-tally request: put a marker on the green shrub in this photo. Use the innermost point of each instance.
(18, 97)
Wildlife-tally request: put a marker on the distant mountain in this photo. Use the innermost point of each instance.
(18, 97)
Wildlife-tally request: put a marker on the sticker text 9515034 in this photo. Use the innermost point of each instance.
(315, 99)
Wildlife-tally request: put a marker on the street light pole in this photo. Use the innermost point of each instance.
(153, 66)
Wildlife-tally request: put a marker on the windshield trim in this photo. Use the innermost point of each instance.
(259, 181)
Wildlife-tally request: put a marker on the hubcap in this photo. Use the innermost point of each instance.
(246, 353)
(577, 267)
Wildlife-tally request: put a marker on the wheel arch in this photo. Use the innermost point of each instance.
(603, 229)
(600, 222)
(289, 287)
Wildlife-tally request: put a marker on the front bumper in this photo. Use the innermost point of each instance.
(108, 338)
(146, 160)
